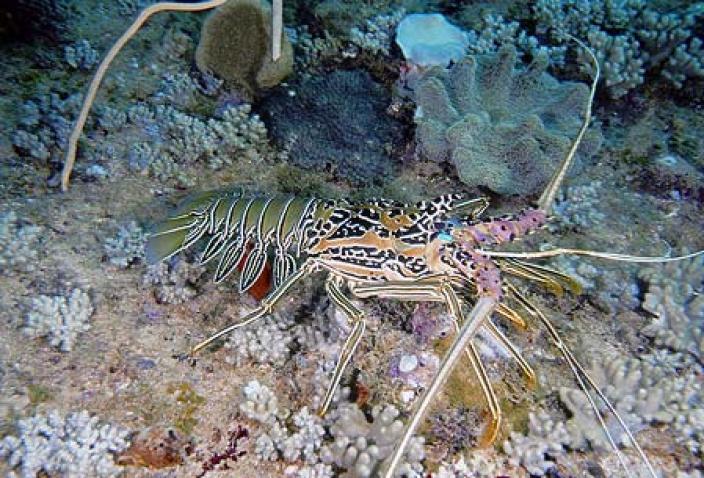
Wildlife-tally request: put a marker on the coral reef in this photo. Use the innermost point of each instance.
(54, 445)
(59, 318)
(18, 244)
(631, 39)
(335, 122)
(173, 140)
(675, 296)
(501, 127)
(235, 45)
(359, 445)
(634, 41)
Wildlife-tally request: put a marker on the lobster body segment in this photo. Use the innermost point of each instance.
(374, 241)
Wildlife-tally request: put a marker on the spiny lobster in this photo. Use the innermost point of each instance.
(429, 251)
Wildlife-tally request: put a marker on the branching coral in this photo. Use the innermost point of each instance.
(54, 445)
(676, 297)
(127, 247)
(18, 244)
(176, 281)
(641, 394)
(546, 439)
(60, 318)
(360, 446)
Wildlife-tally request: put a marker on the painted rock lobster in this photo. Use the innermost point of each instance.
(437, 250)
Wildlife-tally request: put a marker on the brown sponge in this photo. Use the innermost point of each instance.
(235, 45)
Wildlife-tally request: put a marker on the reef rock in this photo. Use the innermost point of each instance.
(336, 122)
(504, 128)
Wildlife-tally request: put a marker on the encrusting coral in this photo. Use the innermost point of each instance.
(501, 127)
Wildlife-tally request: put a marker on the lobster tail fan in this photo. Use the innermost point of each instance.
(253, 268)
(181, 230)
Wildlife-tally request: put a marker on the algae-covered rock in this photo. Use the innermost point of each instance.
(503, 128)
(335, 122)
(235, 44)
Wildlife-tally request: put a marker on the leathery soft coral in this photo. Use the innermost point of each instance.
(502, 127)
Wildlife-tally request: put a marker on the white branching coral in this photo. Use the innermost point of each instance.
(546, 439)
(676, 297)
(266, 343)
(18, 244)
(477, 465)
(641, 394)
(260, 403)
(360, 446)
(59, 318)
(54, 445)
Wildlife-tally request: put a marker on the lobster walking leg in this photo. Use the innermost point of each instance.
(356, 318)
(266, 306)
(492, 428)
(581, 376)
(481, 311)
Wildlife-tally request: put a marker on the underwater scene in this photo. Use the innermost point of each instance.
(352, 238)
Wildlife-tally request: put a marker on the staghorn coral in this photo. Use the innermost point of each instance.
(501, 127)
(60, 318)
(675, 297)
(72, 446)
